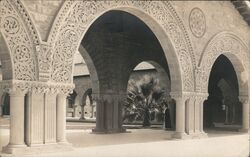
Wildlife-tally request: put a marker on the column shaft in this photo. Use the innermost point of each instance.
(180, 118)
(61, 118)
(109, 114)
(245, 122)
(16, 119)
(201, 116)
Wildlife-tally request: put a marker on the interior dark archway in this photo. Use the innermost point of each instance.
(222, 109)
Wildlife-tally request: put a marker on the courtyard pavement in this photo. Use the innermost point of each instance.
(153, 142)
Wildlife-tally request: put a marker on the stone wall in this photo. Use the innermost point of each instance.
(43, 13)
(219, 16)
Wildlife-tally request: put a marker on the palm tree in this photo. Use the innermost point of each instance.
(143, 97)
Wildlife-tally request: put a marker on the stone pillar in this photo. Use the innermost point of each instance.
(180, 116)
(61, 118)
(199, 101)
(245, 113)
(34, 118)
(17, 119)
(37, 122)
(190, 106)
(50, 114)
(16, 140)
(109, 113)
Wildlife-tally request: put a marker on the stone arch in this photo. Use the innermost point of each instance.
(20, 39)
(6, 61)
(235, 50)
(70, 27)
(87, 93)
(91, 68)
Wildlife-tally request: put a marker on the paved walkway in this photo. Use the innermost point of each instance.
(146, 143)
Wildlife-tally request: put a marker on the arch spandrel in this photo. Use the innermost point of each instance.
(235, 50)
(19, 42)
(76, 17)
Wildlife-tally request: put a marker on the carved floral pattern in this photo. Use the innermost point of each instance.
(222, 43)
(11, 25)
(197, 22)
(18, 42)
(75, 17)
(36, 87)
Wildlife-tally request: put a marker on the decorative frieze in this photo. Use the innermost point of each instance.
(36, 87)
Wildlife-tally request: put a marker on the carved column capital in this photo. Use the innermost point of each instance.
(182, 96)
(62, 88)
(201, 96)
(14, 87)
(36, 87)
(244, 99)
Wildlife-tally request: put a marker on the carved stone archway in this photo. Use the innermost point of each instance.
(76, 17)
(20, 38)
(237, 52)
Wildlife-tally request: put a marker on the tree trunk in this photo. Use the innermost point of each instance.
(146, 118)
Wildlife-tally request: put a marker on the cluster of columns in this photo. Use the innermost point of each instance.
(109, 112)
(37, 118)
(245, 113)
(189, 114)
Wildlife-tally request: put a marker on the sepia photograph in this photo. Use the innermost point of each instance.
(124, 78)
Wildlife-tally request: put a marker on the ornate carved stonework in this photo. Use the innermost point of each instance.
(44, 60)
(76, 16)
(197, 22)
(36, 87)
(19, 42)
(27, 20)
(222, 43)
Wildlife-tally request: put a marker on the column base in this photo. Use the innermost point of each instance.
(180, 135)
(243, 130)
(36, 149)
(108, 131)
(13, 149)
(201, 134)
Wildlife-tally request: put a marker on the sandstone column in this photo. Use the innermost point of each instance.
(109, 113)
(198, 114)
(61, 118)
(245, 113)
(34, 118)
(180, 116)
(16, 119)
(190, 106)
